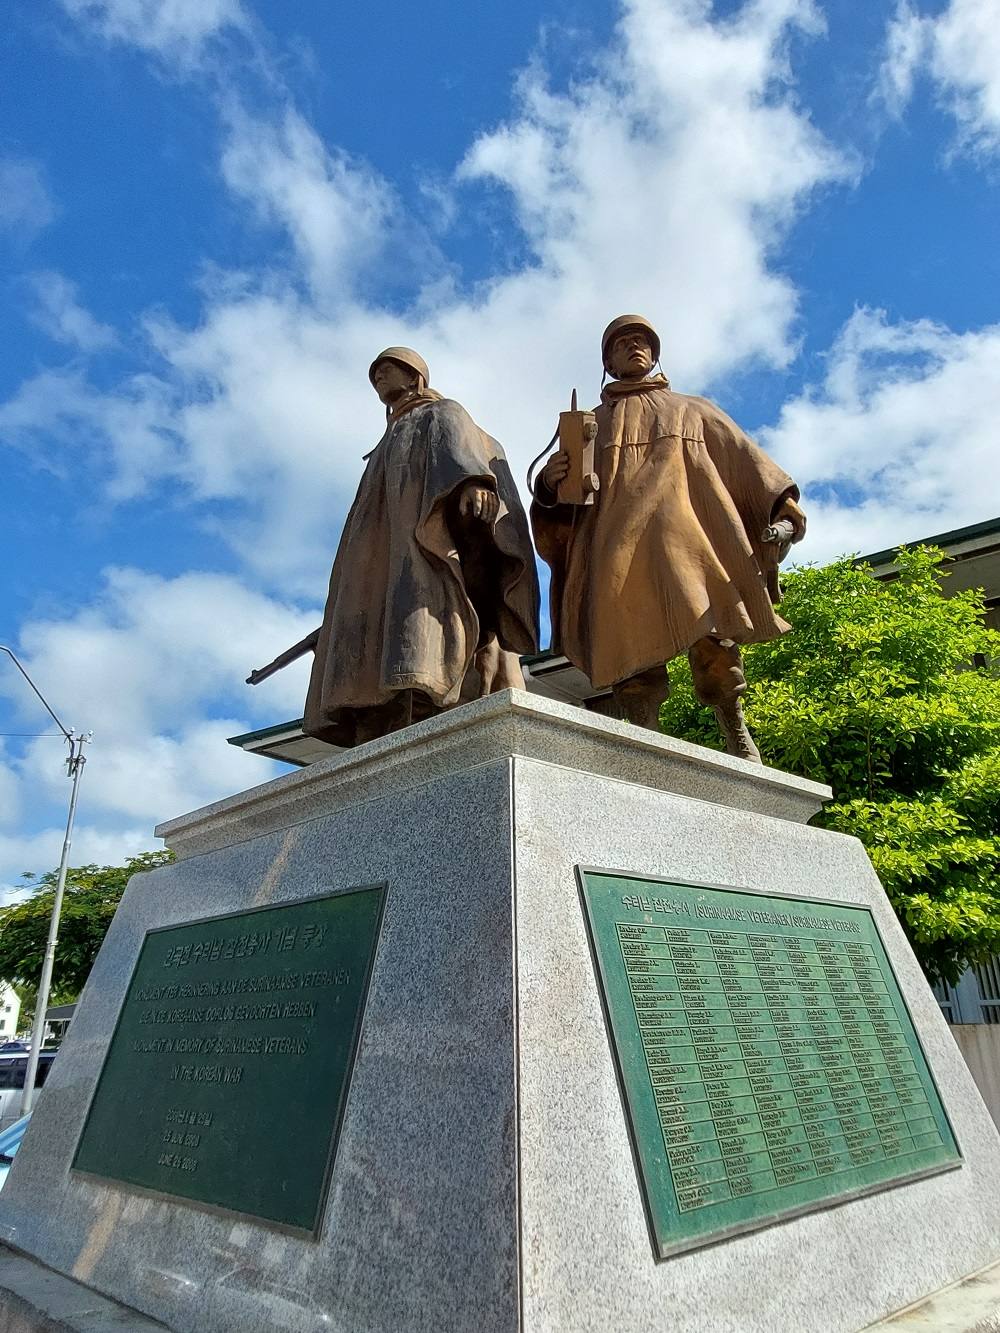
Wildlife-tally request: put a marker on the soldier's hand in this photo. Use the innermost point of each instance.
(791, 511)
(555, 471)
(479, 502)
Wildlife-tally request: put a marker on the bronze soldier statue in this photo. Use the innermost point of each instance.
(434, 592)
(675, 546)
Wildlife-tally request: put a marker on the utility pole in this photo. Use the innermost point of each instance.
(74, 767)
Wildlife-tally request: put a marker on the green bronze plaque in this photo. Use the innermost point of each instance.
(226, 1077)
(767, 1060)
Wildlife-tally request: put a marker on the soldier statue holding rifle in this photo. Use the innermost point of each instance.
(433, 593)
(670, 545)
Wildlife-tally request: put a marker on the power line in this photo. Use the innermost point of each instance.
(33, 735)
(37, 692)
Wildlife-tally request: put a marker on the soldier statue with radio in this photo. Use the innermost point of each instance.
(663, 525)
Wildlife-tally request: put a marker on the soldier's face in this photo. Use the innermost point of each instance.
(391, 380)
(630, 356)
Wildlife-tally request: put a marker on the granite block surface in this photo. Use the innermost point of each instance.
(505, 724)
(969, 1306)
(421, 1223)
(587, 1258)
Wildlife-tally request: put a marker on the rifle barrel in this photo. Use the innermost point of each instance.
(284, 659)
(778, 533)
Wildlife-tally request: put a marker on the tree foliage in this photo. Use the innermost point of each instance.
(875, 692)
(91, 898)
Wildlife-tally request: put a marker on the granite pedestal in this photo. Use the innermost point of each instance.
(484, 1177)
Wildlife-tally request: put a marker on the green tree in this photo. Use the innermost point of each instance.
(875, 692)
(92, 895)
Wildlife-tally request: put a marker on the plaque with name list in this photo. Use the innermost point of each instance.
(226, 1078)
(767, 1059)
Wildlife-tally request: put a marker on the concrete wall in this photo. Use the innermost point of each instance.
(980, 1044)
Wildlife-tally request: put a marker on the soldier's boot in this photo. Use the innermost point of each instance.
(735, 732)
(639, 697)
(719, 683)
(498, 668)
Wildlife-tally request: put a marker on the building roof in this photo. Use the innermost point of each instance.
(978, 536)
(972, 560)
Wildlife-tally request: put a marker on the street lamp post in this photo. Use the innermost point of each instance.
(74, 766)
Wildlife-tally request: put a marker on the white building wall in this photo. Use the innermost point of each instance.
(10, 1012)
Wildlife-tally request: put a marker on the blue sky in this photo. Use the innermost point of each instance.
(213, 213)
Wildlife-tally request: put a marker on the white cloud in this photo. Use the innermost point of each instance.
(10, 801)
(177, 30)
(959, 49)
(643, 189)
(59, 314)
(636, 188)
(899, 442)
(62, 421)
(334, 209)
(905, 53)
(155, 668)
(151, 776)
(150, 651)
(25, 202)
(40, 852)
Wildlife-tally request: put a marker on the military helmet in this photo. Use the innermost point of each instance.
(620, 325)
(405, 356)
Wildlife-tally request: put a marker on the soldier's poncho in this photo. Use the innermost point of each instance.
(398, 616)
(671, 551)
